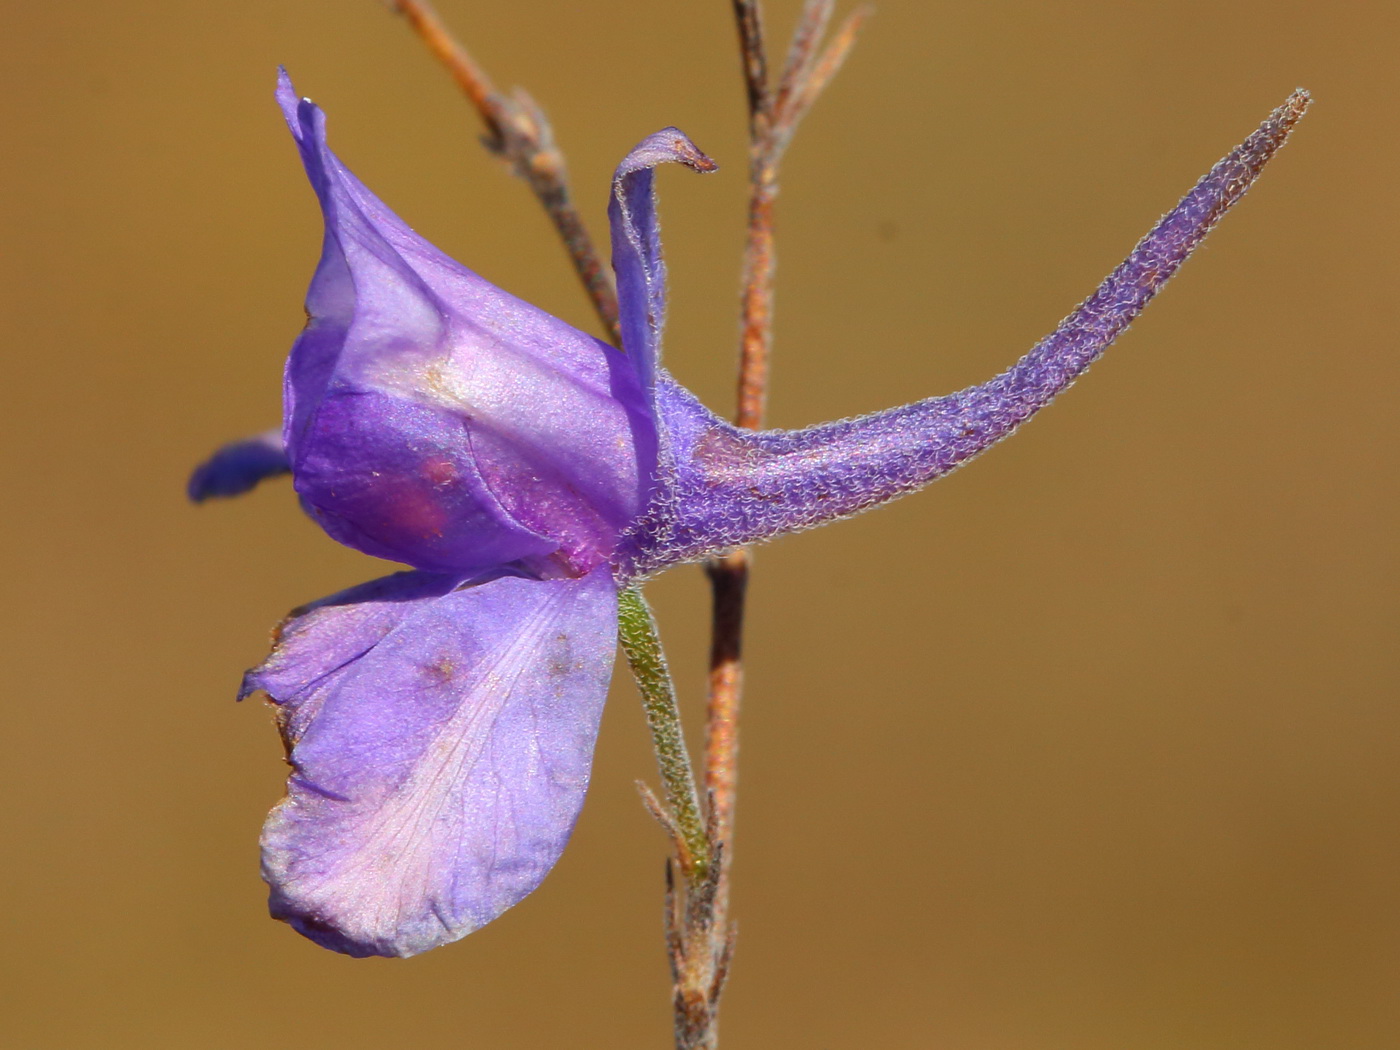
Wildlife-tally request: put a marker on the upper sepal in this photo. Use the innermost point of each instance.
(432, 418)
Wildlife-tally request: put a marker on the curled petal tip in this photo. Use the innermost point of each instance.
(636, 241)
(667, 146)
(691, 156)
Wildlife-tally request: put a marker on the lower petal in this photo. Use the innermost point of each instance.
(441, 750)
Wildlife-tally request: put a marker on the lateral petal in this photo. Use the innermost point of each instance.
(441, 742)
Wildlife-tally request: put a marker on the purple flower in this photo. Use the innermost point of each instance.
(440, 722)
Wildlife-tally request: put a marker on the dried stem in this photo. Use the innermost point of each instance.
(772, 121)
(748, 16)
(518, 131)
(729, 579)
(706, 944)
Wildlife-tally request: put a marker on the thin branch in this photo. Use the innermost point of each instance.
(812, 78)
(518, 130)
(729, 579)
(806, 45)
(807, 72)
(748, 17)
(834, 57)
(470, 77)
(706, 944)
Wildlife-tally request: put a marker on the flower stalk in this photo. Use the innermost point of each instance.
(773, 118)
(681, 815)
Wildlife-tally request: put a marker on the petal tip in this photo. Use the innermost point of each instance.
(667, 146)
(303, 116)
(286, 96)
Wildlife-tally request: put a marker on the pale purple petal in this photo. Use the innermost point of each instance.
(735, 487)
(432, 418)
(323, 638)
(239, 466)
(441, 745)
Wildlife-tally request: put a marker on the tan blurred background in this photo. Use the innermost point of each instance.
(1093, 745)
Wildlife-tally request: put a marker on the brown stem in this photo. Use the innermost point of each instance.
(756, 315)
(519, 131)
(748, 17)
(729, 578)
(756, 309)
(701, 934)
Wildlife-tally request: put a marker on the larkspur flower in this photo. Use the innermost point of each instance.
(440, 722)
